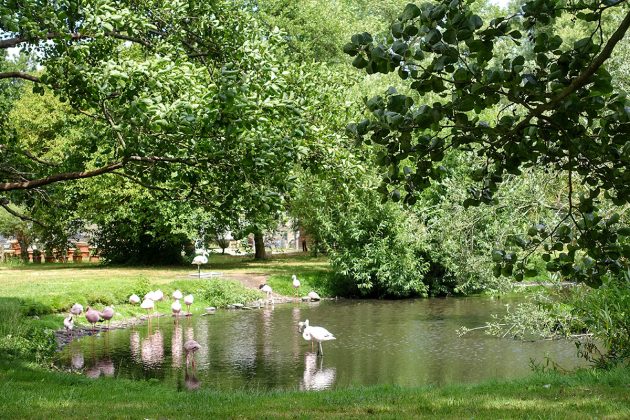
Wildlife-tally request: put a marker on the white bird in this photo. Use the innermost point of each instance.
(134, 299)
(68, 323)
(296, 284)
(158, 296)
(200, 259)
(267, 289)
(177, 294)
(188, 300)
(93, 316)
(147, 304)
(176, 307)
(107, 314)
(191, 346)
(313, 295)
(318, 334)
(77, 309)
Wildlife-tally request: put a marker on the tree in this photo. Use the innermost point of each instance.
(539, 103)
(195, 102)
(168, 89)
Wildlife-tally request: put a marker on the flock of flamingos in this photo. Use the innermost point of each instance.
(309, 333)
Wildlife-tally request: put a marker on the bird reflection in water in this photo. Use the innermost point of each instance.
(177, 345)
(152, 349)
(267, 339)
(190, 379)
(104, 367)
(77, 360)
(316, 377)
(134, 346)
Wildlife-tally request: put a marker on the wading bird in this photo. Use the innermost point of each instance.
(176, 307)
(147, 304)
(134, 299)
(77, 309)
(107, 314)
(191, 346)
(188, 300)
(313, 295)
(318, 334)
(296, 284)
(267, 289)
(158, 296)
(177, 294)
(68, 323)
(198, 260)
(93, 316)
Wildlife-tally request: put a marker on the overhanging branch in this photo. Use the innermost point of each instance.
(64, 176)
(584, 77)
(19, 75)
(4, 203)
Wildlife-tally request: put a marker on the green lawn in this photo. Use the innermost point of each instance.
(27, 392)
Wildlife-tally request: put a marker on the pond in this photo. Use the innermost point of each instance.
(406, 342)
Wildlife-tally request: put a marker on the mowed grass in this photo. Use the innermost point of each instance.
(31, 392)
(51, 288)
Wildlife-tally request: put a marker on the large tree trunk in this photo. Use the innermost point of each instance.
(259, 246)
(24, 243)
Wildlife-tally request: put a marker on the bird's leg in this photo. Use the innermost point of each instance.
(320, 351)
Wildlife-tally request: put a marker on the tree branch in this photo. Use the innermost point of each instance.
(14, 42)
(4, 203)
(64, 176)
(584, 77)
(19, 75)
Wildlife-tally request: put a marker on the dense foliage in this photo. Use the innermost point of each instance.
(516, 96)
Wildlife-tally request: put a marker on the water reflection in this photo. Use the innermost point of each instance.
(152, 350)
(316, 377)
(190, 379)
(177, 346)
(77, 359)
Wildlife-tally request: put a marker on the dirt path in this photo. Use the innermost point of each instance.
(250, 280)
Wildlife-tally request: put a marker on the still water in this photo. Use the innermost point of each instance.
(410, 343)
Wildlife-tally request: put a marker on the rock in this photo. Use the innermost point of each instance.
(211, 309)
(238, 305)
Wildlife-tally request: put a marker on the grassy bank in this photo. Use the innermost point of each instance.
(27, 392)
(35, 298)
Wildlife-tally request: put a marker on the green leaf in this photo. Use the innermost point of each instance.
(411, 12)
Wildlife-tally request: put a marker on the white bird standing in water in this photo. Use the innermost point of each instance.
(296, 284)
(107, 314)
(188, 300)
(93, 316)
(147, 304)
(176, 307)
(191, 346)
(177, 294)
(158, 296)
(318, 334)
(134, 299)
(267, 289)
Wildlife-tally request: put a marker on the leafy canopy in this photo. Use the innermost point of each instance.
(515, 94)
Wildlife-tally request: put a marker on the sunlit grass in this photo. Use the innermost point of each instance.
(580, 395)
